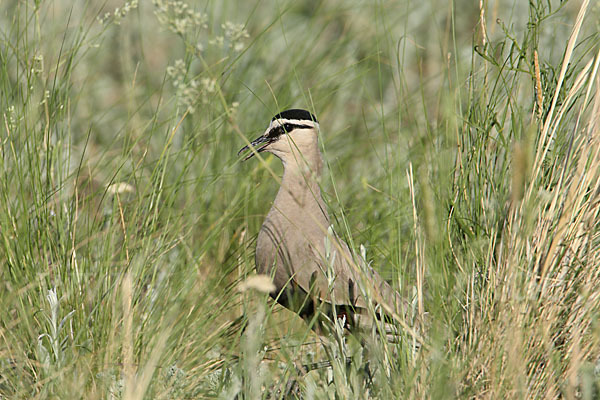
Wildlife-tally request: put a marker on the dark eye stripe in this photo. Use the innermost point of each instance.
(281, 129)
(275, 132)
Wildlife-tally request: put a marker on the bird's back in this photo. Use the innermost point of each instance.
(310, 265)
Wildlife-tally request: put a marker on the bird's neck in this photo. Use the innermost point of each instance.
(300, 193)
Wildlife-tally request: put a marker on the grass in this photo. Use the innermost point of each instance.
(462, 146)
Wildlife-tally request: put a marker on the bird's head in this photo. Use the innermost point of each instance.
(288, 131)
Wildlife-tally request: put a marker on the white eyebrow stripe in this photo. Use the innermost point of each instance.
(283, 121)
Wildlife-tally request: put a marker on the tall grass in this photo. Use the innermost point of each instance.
(462, 146)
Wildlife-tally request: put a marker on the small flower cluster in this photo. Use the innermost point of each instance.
(178, 17)
(12, 117)
(186, 90)
(177, 72)
(190, 90)
(120, 12)
(37, 65)
(233, 36)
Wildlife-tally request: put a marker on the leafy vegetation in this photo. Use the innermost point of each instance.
(462, 146)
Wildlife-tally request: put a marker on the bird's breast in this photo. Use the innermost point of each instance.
(283, 248)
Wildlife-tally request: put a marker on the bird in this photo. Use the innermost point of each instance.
(313, 270)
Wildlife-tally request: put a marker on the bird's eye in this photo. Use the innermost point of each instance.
(285, 128)
(275, 132)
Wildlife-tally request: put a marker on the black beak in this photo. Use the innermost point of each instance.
(258, 145)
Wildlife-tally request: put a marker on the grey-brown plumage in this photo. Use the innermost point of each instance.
(291, 244)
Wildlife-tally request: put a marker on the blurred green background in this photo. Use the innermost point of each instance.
(127, 219)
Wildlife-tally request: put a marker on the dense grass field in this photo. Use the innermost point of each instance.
(462, 150)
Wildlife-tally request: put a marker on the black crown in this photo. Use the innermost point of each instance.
(296, 113)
